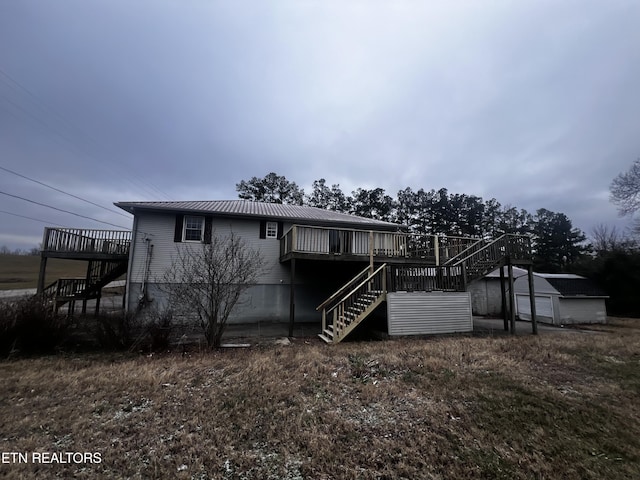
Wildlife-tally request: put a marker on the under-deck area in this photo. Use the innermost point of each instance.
(429, 269)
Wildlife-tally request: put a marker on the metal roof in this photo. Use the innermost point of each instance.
(575, 286)
(246, 208)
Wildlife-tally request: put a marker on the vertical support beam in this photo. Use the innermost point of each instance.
(512, 300)
(503, 297)
(464, 275)
(324, 319)
(43, 271)
(292, 301)
(370, 252)
(294, 238)
(97, 311)
(532, 300)
(436, 247)
(86, 287)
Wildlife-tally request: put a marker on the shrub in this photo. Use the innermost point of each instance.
(30, 326)
(159, 328)
(115, 331)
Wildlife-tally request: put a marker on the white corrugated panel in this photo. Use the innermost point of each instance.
(425, 313)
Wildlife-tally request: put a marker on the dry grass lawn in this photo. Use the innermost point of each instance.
(553, 406)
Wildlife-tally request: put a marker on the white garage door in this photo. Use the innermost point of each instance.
(544, 308)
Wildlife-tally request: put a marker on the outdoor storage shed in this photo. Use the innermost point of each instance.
(486, 299)
(561, 299)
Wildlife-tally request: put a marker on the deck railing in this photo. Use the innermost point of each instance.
(425, 279)
(306, 239)
(72, 240)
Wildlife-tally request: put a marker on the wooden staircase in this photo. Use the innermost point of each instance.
(485, 256)
(65, 290)
(349, 306)
(106, 251)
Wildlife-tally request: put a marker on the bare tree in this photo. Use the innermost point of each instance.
(625, 190)
(608, 239)
(208, 280)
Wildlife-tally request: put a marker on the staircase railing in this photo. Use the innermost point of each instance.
(335, 298)
(474, 247)
(64, 290)
(477, 263)
(344, 311)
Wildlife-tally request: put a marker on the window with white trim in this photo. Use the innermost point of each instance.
(271, 230)
(193, 230)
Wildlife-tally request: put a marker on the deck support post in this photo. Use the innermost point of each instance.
(43, 271)
(503, 298)
(436, 248)
(512, 300)
(86, 286)
(292, 302)
(532, 300)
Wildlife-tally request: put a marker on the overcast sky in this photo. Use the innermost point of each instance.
(534, 103)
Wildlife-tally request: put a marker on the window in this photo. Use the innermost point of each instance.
(193, 229)
(272, 230)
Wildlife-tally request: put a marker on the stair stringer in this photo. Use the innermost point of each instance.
(343, 332)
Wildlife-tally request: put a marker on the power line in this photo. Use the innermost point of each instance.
(34, 219)
(64, 211)
(43, 106)
(62, 191)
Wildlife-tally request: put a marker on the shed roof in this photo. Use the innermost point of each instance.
(575, 286)
(246, 208)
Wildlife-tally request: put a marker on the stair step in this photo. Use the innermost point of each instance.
(328, 333)
(324, 338)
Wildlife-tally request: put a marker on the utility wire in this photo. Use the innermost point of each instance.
(12, 82)
(34, 219)
(62, 191)
(64, 211)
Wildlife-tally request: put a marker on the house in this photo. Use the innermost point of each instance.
(323, 236)
(561, 299)
(321, 265)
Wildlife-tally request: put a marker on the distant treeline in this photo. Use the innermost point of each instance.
(611, 259)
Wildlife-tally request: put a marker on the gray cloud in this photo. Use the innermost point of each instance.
(533, 103)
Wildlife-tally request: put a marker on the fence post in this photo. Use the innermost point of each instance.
(436, 246)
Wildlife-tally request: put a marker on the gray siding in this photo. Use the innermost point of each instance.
(159, 229)
(421, 313)
(582, 310)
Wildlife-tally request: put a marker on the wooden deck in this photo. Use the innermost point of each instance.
(85, 244)
(335, 244)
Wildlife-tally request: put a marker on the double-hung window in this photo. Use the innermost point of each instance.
(272, 230)
(193, 230)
